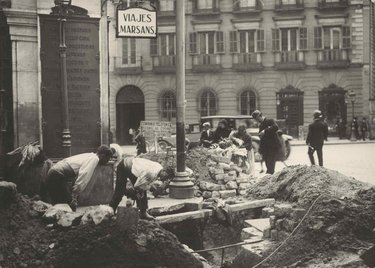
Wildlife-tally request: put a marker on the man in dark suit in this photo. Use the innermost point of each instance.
(269, 141)
(207, 135)
(318, 132)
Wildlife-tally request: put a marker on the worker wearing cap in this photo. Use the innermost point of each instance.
(70, 176)
(269, 140)
(207, 135)
(318, 132)
(134, 176)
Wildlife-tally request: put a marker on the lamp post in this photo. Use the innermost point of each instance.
(353, 136)
(63, 7)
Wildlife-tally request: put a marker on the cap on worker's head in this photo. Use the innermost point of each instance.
(105, 150)
(256, 114)
(206, 124)
(317, 114)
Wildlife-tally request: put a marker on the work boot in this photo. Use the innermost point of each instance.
(145, 216)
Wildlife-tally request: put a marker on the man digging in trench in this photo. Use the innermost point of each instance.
(134, 177)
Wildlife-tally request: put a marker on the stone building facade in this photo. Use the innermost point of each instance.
(284, 57)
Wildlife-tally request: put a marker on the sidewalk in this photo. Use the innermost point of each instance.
(332, 141)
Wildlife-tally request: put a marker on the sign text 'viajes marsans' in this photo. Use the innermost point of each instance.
(136, 22)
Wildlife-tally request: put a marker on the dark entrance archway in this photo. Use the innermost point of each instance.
(130, 111)
(290, 107)
(333, 106)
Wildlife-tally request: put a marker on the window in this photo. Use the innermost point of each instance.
(207, 103)
(288, 2)
(247, 102)
(330, 38)
(129, 51)
(250, 41)
(247, 3)
(289, 39)
(205, 4)
(167, 105)
(167, 5)
(129, 3)
(164, 45)
(206, 42)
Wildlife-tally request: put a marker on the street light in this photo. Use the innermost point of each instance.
(353, 136)
(63, 7)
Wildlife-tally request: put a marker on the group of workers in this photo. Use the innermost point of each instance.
(68, 178)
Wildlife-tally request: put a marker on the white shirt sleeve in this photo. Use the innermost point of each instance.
(85, 173)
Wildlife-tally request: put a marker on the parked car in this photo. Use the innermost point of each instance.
(193, 132)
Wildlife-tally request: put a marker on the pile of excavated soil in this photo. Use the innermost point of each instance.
(25, 241)
(339, 226)
(302, 184)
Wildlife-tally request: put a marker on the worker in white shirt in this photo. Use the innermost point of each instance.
(134, 177)
(70, 176)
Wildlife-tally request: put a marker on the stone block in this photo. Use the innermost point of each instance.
(267, 233)
(283, 210)
(273, 222)
(243, 178)
(220, 159)
(223, 188)
(40, 206)
(216, 194)
(210, 163)
(227, 193)
(259, 224)
(242, 192)
(231, 185)
(267, 212)
(69, 219)
(54, 213)
(8, 192)
(250, 232)
(165, 210)
(215, 170)
(220, 177)
(232, 173)
(274, 235)
(224, 166)
(236, 168)
(297, 214)
(228, 178)
(209, 186)
(98, 214)
(207, 205)
(207, 194)
(244, 186)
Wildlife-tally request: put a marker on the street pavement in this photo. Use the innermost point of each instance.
(355, 159)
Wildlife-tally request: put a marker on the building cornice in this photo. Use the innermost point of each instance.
(22, 24)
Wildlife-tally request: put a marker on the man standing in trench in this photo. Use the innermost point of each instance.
(70, 176)
(269, 141)
(134, 177)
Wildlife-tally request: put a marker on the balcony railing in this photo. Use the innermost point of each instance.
(333, 58)
(282, 5)
(164, 64)
(239, 7)
(247, 62)
(128, 65)
(323, 4)
(290, 60)
(206, 62)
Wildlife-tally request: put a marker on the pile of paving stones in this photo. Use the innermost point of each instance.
(227, 179)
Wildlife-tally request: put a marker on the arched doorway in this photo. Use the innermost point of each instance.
(130, 111)
(333, 106)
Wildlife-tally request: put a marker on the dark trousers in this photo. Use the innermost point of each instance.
(59, 187)
(270, 161)
(122, 174)
(319, 152)
(363, 134)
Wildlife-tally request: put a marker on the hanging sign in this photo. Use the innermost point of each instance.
(136, 22)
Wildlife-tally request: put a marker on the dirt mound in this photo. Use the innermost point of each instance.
(25, 241)
(303, 184)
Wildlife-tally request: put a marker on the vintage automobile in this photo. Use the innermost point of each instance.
(193, 132)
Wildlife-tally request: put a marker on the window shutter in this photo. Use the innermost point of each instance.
(260, 41)
(318, 42)
(275, 39)
(233, 46)
(303, 38)
(154, 47)
(193, 43)
(219, 42)
(346, 37)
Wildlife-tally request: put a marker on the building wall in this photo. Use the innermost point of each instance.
(227, 82)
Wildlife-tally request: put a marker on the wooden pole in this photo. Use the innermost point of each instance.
(181, 187)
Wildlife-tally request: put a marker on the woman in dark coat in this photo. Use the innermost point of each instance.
(222, 131)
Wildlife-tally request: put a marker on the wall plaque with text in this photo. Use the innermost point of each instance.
(82, 40)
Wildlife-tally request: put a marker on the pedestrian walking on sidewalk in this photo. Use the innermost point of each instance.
(269, 141)
(134, 176)
(364, 128)
(70, 176)
(318, 133)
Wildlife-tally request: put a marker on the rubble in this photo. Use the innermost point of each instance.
(8, 191)
(97, 214)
